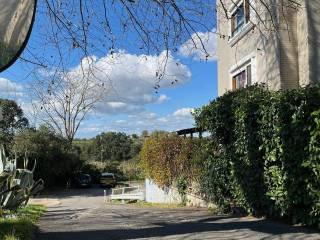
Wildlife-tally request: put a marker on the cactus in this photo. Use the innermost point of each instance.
(16, 185)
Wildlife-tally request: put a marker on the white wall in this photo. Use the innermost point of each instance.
(154, 194)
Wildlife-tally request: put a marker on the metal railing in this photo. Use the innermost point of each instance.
(126, 193)
(125, 190)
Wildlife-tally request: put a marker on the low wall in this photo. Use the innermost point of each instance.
(154, 194)
(169, 195)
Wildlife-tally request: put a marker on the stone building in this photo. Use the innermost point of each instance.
(276, 42)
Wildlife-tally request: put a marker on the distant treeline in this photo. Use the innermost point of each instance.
(110, 146)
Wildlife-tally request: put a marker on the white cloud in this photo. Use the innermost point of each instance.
(116, 104)
(121, 121)
(132, 81)
(9, 89)
(183, 112)
(162, 98)
(194, 47)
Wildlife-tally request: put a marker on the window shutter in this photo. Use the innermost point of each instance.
(249, 75)
(234, 83)
(246, 5)
(233, 23)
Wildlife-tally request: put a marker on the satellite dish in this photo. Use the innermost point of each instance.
(16, 21)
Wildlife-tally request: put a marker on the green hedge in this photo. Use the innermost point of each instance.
(268, 161)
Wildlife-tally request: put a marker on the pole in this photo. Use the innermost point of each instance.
(100, 148)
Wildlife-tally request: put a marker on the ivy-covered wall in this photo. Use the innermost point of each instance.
(268, 159)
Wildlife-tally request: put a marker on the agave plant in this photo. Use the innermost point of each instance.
(16, 185)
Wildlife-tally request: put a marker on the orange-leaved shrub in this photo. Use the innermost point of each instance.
(165, 157)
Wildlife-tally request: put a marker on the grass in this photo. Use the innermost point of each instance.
(143, 204)
(21, 227)
(158, 205)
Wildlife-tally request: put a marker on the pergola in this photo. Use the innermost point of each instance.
(190, 131)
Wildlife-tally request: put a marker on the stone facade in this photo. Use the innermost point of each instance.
(282, 51)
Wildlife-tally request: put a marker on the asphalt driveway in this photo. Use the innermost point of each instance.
(81, 214)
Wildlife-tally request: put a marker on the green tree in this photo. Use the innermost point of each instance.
(87, 149)
(112, 146)
(12, 120)
(56, 161)
(136, 145)
(144, 134)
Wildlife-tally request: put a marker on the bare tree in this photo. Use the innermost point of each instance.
(63, 99)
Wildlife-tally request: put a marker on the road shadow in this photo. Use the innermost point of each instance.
(94, 191)
(210, 226)
(62, 214)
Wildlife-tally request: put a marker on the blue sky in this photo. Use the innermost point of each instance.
(169, 109)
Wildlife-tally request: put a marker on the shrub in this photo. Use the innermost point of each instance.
(215, 181)
(182, 187)
(268, 159)
(165, 157)
(131, 169)
(312, 163)
(157, 157)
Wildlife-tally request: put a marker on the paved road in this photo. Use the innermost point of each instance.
(82, 215)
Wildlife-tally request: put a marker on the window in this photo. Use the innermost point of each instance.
(240, 17)
(242, 79)
(237, 20)
(238, 81)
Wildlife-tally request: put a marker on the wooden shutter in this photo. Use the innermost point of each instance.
(249, 75)
(234, 83)
(246, 5)
(233, 24)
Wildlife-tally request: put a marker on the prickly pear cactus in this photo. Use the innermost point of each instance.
(16, 185)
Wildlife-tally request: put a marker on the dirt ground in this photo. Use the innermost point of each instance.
(81, 214)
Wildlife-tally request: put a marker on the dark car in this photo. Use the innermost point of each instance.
(82, 180)
(107, 180)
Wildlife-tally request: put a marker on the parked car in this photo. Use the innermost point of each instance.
(82, 180)
(107, 180)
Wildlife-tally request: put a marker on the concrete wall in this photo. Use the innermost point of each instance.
(313, 13)
(303, 46)
(224, 52)
(154, 194)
